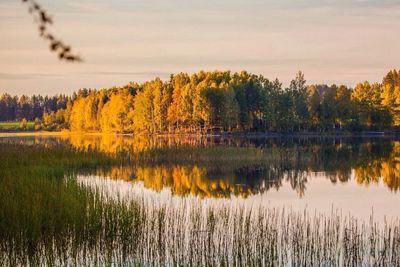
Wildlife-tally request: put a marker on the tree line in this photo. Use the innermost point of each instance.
(16, 108)
(223, 101)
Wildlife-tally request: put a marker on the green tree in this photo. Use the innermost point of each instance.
(271, 104)
(298, 92)
(214, 105)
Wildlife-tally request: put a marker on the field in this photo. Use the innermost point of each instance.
(15, 126)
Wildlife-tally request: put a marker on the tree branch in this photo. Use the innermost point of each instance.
(44, 20)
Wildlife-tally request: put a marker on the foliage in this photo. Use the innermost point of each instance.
(206, 100)
(23, 123)
(14, 108)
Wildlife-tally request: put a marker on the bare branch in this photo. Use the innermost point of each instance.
(43, 19)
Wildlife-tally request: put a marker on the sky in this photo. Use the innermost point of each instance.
(331, 41)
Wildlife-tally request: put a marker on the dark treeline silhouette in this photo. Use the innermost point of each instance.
(14, 108)
(221, 101)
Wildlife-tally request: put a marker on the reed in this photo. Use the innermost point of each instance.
(236, 231)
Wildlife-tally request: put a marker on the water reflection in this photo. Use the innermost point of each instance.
(293, 161)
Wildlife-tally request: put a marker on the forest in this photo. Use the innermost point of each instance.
(218, 100)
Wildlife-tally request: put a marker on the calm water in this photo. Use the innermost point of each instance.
(356, 176)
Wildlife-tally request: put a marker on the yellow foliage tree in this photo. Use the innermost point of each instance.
(117, 113)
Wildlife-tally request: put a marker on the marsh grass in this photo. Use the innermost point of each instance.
(43, 210)
(51, 216)
(185, 154)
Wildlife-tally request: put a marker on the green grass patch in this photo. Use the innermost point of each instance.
(14, 125)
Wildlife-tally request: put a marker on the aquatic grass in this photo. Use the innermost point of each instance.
(41, 206)
(199, 154)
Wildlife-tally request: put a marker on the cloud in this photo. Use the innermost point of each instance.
(127, 73)
(28, 76)
(124, 40)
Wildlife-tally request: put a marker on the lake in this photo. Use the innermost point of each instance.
(195, 197)
(354, 175)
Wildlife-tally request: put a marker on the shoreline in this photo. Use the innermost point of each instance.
(366, 134)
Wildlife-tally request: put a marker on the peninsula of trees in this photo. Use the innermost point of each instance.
(196, 103)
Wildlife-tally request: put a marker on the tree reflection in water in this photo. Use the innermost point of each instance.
(215, 174)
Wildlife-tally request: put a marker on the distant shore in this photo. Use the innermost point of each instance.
(224, 135)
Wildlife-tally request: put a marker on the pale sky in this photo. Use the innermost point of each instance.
(331, 41)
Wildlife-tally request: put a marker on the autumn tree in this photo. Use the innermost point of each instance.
(117, 114)
(178, 82)
(236, 102)
(367, 98)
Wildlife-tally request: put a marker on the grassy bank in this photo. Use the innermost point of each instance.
(13, 129)
(15, 126)
(45, 216)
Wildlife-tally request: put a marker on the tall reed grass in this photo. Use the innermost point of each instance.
(244, 232)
